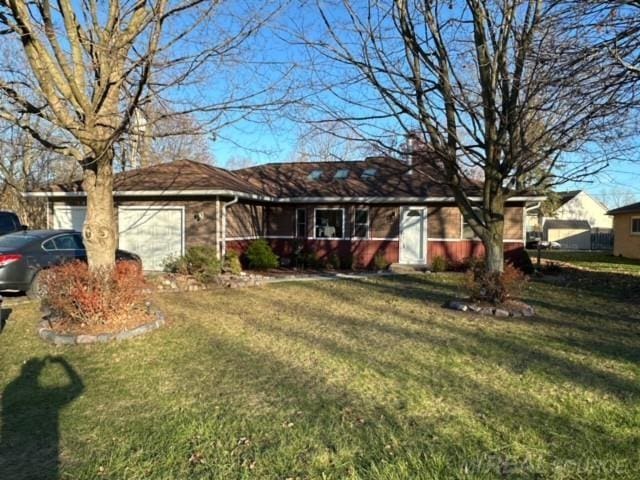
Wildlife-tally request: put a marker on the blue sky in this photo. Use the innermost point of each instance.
(275, 141)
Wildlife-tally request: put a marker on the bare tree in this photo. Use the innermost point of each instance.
(327, 142)
(157, 135)
(614, 26)
(237, 162)
(479, 85)
(25, 164)
(92, 64)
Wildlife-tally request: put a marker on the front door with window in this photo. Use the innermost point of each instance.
(413, 236)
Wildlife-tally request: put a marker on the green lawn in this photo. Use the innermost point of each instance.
(366, 379)
(597, 261)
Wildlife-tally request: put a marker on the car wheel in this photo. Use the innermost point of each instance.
(34, 291)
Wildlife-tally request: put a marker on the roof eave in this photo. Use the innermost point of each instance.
(266, 198)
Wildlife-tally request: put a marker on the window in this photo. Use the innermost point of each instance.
(361, 223)
(301, 222)
(329, 223)
(64, 242)
(7, 224)
(341, 174)
(467, 231)
(315, 175)
(635, 225)
(369, 173)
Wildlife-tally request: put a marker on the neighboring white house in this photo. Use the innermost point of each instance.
(577, 217)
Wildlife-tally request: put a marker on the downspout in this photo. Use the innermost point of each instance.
(529, 208)
(539, 252)
(218, 223)
(224, 225)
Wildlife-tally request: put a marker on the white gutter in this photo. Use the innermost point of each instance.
(224, 225)
(266, 198)
(533, 207)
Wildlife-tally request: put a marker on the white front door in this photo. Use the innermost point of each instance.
(154, 233)
(412, 236)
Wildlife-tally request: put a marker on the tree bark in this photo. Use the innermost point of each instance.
(494, 256)
(99, 232)
(493, 236)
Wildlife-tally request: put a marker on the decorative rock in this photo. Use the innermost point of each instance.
(456, 305)
(84, 339)
(46, 333)
(508, 309)
(64, 339)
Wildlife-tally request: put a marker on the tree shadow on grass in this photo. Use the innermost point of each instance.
(324, 399)
(30, 436)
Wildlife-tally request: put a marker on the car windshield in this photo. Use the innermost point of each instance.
(15, 240)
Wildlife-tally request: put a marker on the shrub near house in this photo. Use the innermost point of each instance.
(260, 255)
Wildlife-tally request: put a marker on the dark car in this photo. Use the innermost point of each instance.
(9, 222)
(23, 254)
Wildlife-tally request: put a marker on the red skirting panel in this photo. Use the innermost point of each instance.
(362, 251)
(460, 251)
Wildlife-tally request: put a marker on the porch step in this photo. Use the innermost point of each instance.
(404, 268)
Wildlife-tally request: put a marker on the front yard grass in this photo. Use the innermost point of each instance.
(349, 379)
(596, 261)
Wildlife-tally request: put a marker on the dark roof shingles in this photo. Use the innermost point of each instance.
(393, 178)
(631, 208)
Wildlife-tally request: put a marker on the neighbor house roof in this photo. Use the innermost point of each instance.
(567, 224)
(631, 208)
(565, 197)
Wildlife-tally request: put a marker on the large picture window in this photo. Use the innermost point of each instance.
(329, 223)
(301, 222)
(361, 223)
(635, 225)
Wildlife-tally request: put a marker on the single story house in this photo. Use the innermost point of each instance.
(379, 205)
(574, 210)
(626, 227)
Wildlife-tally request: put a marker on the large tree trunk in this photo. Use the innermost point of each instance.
(494, 254)
(99, 232)
(493, 239)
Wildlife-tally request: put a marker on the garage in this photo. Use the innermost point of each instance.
(570, 234)
(66, 217)
(154, 233)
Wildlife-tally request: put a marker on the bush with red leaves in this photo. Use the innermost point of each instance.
(494, 287)
(82, 298)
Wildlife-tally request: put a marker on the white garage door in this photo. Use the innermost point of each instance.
(68, 218)
(153, 233)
